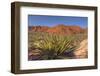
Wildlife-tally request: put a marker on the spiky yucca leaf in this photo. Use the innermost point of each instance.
(56, 44)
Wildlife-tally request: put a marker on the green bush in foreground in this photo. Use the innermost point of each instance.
(53, 46)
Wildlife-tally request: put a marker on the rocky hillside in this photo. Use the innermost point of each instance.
(58, 29)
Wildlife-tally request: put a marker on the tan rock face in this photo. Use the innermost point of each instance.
(82, 51)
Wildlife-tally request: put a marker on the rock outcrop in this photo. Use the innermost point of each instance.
(82, 51)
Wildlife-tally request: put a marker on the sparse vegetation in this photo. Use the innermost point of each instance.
(53, 46)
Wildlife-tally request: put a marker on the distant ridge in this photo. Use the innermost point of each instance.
(58, 29)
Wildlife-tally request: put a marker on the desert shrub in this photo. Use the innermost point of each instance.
(55, 45)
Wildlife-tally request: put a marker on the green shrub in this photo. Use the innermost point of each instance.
(55, 45)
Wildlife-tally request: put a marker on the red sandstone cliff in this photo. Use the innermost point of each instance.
(58, 29)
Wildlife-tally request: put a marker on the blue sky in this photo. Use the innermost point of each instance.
(50, 21)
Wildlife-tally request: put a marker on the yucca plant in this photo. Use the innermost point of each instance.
(54, 45)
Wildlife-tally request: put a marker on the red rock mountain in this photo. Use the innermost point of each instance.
(58, 29)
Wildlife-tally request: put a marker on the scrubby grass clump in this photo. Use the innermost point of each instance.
(53, 46)
(48, 46)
